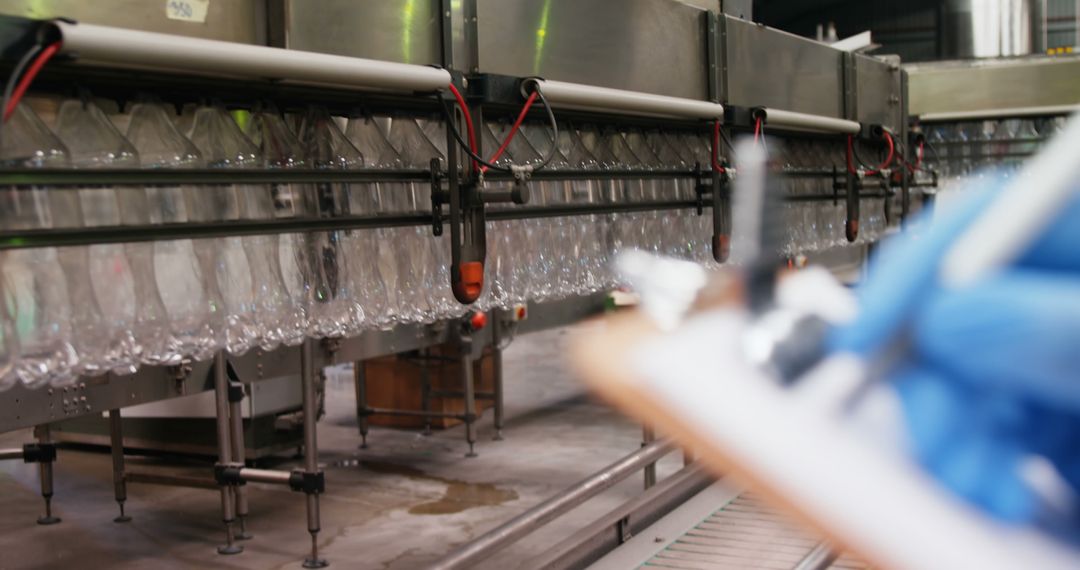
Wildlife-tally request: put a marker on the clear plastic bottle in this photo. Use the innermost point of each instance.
(634, 234)
(444, 302)
(225, 261)
(416, 266)
(118, 276)
(567, 247)
(328, 148)
(597, 149)
(657, 227)
(37, 330)
(190, 308)
(286, 277)
(505, 271)
(592, 229)
(374, 247)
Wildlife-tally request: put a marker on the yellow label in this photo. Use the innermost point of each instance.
(187, 10)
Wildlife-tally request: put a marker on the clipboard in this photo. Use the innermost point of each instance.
(865, 495)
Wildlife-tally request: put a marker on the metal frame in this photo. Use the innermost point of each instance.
(460, 193)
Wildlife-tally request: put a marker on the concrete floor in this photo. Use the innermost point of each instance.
(400, 504)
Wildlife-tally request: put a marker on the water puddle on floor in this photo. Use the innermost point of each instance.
(459, 495)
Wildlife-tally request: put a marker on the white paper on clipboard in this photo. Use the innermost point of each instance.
(866, 496)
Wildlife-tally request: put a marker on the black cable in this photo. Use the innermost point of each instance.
(547, 159)
(464, 145)
(554, 129)
(858, 159)
(10, 86)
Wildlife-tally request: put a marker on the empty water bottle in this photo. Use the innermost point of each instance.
(110, 301)
(190, 308)
(224, 260)
(38, 341)
(374, 247)
(328, 148)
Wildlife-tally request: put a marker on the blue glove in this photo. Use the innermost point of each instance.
(993, 372)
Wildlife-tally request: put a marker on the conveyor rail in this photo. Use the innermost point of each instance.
(741, 533)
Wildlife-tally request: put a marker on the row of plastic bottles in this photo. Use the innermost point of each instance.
(956, 150)
(77, 311)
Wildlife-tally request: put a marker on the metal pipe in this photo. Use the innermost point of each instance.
(236, 438)
(497, 376)
(605, 100)
(497, 539)
(45, 470)
(13, 453)
(311, 447)
(806, 122)
(265, 476)
(820, 558)
(221, 407)
(589, 543)
(1008, 112)
(648, 435)
(116, 442)
(468, 380)
(106, 45)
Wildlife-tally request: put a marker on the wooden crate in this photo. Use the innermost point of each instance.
(395, 382)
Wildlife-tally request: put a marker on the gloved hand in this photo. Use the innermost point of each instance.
(992, 373)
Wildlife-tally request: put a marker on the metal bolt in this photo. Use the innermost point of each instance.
(50, 392)
(65, 401)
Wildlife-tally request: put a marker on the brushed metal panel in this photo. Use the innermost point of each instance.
(404, 31)
(229, 20)
(770, 68)
(986, 85)
(877, 85)
(654, 46)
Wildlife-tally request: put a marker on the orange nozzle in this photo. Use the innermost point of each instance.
(471, 282)
(721, 247)
(851, 230)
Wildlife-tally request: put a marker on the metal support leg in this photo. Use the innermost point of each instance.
(116, 440)
(497, 372)
(470, 402)
(46, 470)
(311, 450)
(647, 437)
(236, 438)
(221, 401)
(360, 378)
(425, 389)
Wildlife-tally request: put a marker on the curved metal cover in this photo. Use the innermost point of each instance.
(399, 31)
(989, 85)
(653, 46)
(771, 68)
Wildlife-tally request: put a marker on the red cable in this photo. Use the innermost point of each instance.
(757, 129)
(716, 148)
(513, 131)
(29, 76)
(468, 119)
(919, 155)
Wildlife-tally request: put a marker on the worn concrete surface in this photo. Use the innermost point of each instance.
(399, 504)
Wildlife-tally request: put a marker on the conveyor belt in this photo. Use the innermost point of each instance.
(737, 532)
